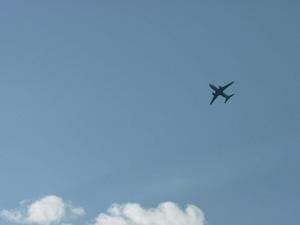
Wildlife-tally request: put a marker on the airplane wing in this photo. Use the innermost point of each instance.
(227, 85)
(213, 99)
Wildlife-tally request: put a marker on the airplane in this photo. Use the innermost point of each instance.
(220, 91)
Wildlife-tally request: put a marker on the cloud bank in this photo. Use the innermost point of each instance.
(167, 213)
(45, 211)
(53, 210)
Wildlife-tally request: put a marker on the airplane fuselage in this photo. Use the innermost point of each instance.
(218, 91)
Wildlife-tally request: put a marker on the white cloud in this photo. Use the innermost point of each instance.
(53, 210)
(167, 213)
(78, 211)
(11, 215)
(45, 211)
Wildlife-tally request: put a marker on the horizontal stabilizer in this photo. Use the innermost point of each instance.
(227, 98)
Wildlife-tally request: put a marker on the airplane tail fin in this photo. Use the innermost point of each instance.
(228, 98)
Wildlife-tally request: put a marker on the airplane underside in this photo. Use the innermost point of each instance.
(219, 91)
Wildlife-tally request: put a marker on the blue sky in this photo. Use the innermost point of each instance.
(108, 102)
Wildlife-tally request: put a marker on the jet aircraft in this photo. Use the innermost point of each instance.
(220, 91)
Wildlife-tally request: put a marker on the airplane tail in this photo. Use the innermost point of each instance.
(228, 98)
